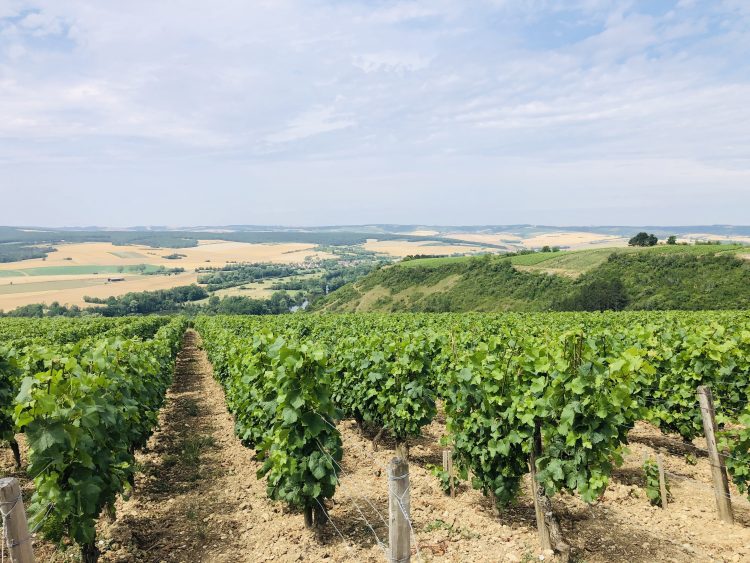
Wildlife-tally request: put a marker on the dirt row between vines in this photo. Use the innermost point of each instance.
(198, 499)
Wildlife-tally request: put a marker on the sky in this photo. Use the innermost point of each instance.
(319, 112)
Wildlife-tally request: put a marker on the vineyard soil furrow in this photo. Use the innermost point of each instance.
(208, 505)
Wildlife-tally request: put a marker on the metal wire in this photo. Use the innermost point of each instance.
(367, 522)
(399, 503)
(331, 521)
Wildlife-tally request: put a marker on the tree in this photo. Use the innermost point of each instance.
(598, 294)
(546, 249)
(643, 239)
(672, 240)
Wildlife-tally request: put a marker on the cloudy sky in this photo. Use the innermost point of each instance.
(311, 112)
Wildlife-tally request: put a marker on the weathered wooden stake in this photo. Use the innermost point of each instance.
(448, 468)
(718, 470)
(544, 540)
(550, 534)
(399, 510)
(662, 482)
(14, 517)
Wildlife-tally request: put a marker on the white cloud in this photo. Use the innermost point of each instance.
(310, 123)
(402, 12)
(390, 61)
(42, 23)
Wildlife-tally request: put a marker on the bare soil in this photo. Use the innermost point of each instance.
(198, 499)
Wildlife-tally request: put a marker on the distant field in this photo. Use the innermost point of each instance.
(574, 240)
(514, 241)
(80, 269)
(213, 252)
(431, 262)
(402, 248)
(47, 286)
(126, 254)
(576, 262)
(573, 262)
(695, 249)
(75, 270)
(71, 289)
(539, 257)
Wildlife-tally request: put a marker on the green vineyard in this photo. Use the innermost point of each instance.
(561, 389)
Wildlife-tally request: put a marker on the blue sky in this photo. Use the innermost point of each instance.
(344, 112)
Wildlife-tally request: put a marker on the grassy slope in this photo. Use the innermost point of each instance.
(581, 261)
(689, 277)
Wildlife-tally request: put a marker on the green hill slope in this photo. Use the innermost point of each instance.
(677, 277)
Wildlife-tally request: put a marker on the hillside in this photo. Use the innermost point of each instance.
(663, 277)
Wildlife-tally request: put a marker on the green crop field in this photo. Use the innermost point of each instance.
(574, 262)
(432, 262)
(77, 270)
(537, 258)
(580, 261)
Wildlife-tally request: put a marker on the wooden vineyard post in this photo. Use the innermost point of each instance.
(719, 472)
(545, 541)
(17, 534)
(399, 509)
(448, 468)
(550, 534)
(662, 482)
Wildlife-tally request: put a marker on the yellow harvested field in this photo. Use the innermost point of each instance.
(401, 248)
(421, 233)
(215, 252)
(574, 241)
(224, 251)
(692, 237)
(67, 293)
(505, 239)
(27, 282)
